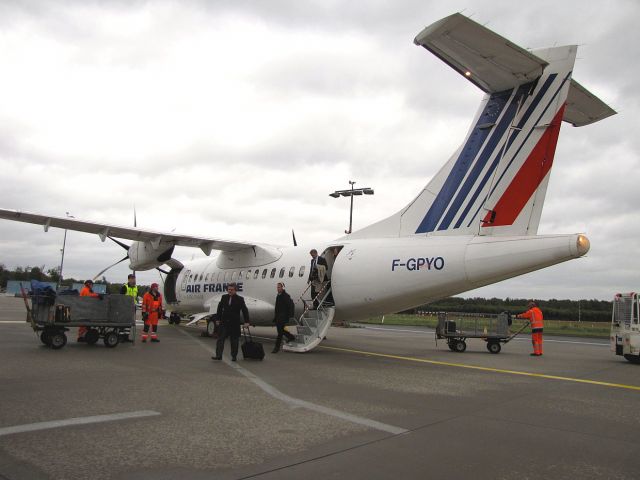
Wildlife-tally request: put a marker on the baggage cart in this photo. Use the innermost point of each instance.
(110, 318)
(456, 328)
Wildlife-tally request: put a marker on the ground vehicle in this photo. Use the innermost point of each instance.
(111, 318)
(457, 327)
(625, 326)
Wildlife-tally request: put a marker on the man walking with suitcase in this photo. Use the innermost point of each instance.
(229, 309)
(284, 311)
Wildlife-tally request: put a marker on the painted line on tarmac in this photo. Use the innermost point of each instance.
(299, 403)
(485, 369)
(14, 321)
(527, 339)
(32, 427)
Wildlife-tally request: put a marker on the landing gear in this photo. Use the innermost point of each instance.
(175, 318)
(211, 328)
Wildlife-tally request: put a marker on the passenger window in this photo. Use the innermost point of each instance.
(191, 277)
(206, 279)
(255, 274)
(219, 276)
(233, 276)
(241, 274)
(292, 270)
(264, 273)
(201, 275)
(301, 274)
(225, 276)
(273, 273)
(248, 274)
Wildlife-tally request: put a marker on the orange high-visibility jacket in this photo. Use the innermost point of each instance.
(86, 292)
(152, 306)
(534, 315)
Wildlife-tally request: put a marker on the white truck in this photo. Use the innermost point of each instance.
(625, 326)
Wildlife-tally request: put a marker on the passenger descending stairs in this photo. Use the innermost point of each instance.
(312, 326)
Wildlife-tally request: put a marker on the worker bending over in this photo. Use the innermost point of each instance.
(534, 315)
(87, 291)
(151, 312)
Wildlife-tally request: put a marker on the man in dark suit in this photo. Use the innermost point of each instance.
(229, 310)
(317, 274)
(284, 312)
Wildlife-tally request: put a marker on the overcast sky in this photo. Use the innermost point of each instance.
(236, 119)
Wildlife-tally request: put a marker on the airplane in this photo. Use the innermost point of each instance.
(475, 223)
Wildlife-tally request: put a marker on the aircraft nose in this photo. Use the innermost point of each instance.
(583, 244)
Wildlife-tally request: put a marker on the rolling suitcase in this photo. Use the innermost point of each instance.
(251, 349)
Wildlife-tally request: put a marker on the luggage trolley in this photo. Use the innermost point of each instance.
(493, 329)
(109, 319)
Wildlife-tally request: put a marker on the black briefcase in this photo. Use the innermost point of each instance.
(251, 349)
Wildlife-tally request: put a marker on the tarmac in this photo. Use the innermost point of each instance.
(376, 403)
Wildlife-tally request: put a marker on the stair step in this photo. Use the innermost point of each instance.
(301, 339)
(304, 330)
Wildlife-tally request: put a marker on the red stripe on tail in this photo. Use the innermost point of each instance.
(528, 179)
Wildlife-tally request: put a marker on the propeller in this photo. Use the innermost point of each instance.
(295, 242)
(110, 266)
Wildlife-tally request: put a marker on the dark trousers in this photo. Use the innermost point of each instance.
(282, 332)
(314, 293)
(234, 340)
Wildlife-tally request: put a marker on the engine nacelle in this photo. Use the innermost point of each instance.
(148, 255)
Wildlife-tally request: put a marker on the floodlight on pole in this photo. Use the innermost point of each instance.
(351, 193)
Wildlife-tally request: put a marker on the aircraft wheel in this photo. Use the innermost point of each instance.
(111, 339)
(44, 337)
(494, 347)
(460, 346)
(57, 340)
(211, 327)
(91, 337)
(632, 358)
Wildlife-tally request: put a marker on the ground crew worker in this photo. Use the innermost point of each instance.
(151, 312)
(284, 312)
(534, 315)
(131, 289)
(228, 314)
(87, 291)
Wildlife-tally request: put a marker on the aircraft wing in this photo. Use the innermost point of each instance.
(104, 230)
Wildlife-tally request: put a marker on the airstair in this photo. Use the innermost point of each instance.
(313, 324)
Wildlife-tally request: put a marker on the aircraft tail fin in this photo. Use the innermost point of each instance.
(495, 183)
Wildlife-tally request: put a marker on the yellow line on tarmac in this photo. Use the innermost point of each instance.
(485, 369)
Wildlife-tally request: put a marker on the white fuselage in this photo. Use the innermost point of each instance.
(372, 277)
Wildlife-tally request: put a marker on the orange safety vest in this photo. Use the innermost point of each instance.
(534, 315)
(86, 292)
(151, 304)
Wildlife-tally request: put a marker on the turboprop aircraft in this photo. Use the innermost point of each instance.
(474, 224)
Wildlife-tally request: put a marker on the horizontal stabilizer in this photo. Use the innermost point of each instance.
(584, 108)
(488, 60)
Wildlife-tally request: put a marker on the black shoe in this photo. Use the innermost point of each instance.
(534, 354)
(233, 359)
(216, 358)
(155, 340)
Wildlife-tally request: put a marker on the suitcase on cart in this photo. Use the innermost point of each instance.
(251, 349)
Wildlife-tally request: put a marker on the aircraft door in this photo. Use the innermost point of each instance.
(185, 279)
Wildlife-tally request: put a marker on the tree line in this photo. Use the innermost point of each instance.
(554, 309)
(42, 274)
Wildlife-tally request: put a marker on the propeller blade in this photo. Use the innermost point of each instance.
(295, 242)
(162, 271)
(112, 265)
(123, 245)
(135, 218)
